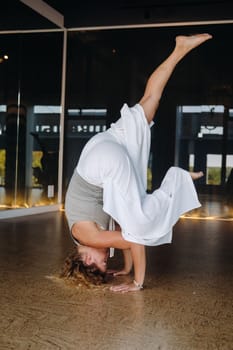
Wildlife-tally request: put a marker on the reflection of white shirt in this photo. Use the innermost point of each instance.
(117, 160)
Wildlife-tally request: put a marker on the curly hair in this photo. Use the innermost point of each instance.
(75, 269)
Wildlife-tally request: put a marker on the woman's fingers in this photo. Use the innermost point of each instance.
(111, 272)
(121, 273)
(124, 288)
(117, 272)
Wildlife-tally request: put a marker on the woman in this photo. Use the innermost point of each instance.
(110, 181)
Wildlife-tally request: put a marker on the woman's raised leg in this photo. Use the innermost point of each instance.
(159, 78)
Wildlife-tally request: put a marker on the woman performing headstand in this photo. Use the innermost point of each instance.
(110, 182)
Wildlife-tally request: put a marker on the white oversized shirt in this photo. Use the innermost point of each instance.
(117, 161)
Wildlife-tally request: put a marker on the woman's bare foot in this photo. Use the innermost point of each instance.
(187, 43)
(196, 175)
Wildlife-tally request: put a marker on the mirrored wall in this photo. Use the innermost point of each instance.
(104, 70)
(30, 95)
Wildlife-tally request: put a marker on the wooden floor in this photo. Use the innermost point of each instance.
(187, 303)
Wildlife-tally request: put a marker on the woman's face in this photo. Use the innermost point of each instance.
(98, 258)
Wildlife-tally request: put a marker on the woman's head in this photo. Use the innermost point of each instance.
(87, 262)
(97, 258)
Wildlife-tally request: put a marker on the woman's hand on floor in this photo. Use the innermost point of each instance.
(125, 288)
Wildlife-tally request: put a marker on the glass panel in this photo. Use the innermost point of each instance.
(12, 123)
(213, 169)
(201, 141)
(44, 139)
(30, 119)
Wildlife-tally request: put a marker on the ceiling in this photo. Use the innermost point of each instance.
(113, 12)
(17, 16)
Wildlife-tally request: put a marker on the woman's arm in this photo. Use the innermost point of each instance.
(139, 262)
(89, 234)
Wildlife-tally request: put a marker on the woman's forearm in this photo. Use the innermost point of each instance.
(139, 261)
(128, 261)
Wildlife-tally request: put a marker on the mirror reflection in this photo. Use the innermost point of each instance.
(30, 75)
